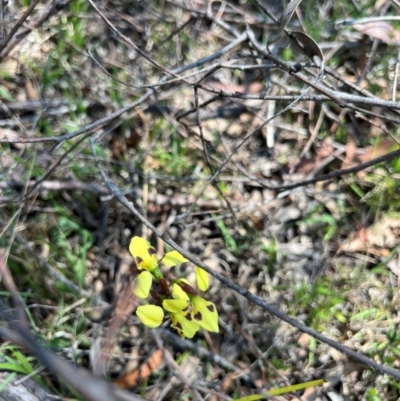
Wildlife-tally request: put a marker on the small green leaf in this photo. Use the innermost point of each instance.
(5, 94)
(13, 368)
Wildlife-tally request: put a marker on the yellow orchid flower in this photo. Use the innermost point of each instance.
(150, 315)
(142, 284)
(188, 311)
(145, 256)
(202, 279)
(179, 302)
(178, 308)
(205, 314)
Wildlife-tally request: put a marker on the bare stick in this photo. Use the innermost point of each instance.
(18, 24)
(99, 123)
(48, 10)
(342, 96)
(246, 138)
(12, 288)
(173, 366)
(335, 174)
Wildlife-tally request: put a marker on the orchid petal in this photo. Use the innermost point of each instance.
(202, 279)
(178, 293)
(205, 313)
(184, 323)
(150, 315)
(173, 258)
(142, 284)
(144, 254)
(175, 305)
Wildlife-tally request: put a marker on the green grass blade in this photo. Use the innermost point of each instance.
(7, 381)
(282, 390)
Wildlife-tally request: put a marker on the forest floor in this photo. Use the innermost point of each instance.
(271, 156)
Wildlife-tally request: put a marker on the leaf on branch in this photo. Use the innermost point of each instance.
(307, 45)
(284, 20)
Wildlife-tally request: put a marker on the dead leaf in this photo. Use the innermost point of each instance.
(371, 152)
(377, 239)
(31, 91)
(304, 340)
(143, 372)
(306, 166)
(351, 154)
(307, 45)
(380, 30)
(310, 394)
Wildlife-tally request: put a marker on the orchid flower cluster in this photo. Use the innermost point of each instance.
(188, 311)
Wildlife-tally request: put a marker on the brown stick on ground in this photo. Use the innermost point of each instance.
(125, 304)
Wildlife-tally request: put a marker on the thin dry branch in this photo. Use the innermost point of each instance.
(335, 174)
(93, 127)
(342, 96)
(130, 43)
(9, 283)
(48, 10)
(19, 23)
(173, 366)
(200, 351)
(235, 150)
(57, 186)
